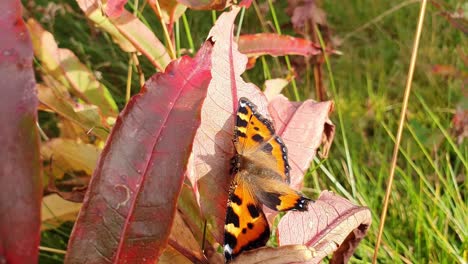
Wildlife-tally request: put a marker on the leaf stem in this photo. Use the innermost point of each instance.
(155, 5)
(288, 63)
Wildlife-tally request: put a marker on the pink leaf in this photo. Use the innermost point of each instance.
(213, 147)
(114, 8)
(303, 126)
(20, 173)
(332, 224)
(65, 67)
(213, 142)
(130, 205)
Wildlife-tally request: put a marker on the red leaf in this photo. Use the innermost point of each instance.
(20, 174)
(332, 224)
(245, 3)
(206, 4)
(213, 147)
(129, 208)
(276, 45)
(114, 8)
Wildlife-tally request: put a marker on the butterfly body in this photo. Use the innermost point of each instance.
(260, 172)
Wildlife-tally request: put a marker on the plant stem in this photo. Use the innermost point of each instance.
(155, 5)
(187, 31)
(409, 81)
(288, 63)
(349, 161)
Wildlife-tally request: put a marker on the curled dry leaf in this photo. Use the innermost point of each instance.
(213, 147)
(65, 67)
(273, 87)
(68, 156)
(182, 240)
(58, 102)
(56, 210)
(331, 225)
(170, 256)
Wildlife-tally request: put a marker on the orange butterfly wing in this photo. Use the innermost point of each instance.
(261, 176)
(246, 225)
(254, 133)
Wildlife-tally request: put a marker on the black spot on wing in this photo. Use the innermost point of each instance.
(244, 230)
(257, 138)
(260, 241)
(240, 134)
(256, 128)
(253, 107)
(232, 217)
(268, 148)
(236, 199)
(271, 200)
(250, 225)
(241, 122)
(243, 110)
(253, 210)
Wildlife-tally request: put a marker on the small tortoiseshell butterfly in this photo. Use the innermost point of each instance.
(261, 177)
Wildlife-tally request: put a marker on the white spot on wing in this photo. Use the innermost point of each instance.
(227, 249)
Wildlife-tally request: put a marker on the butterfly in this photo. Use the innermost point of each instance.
(260, 171)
